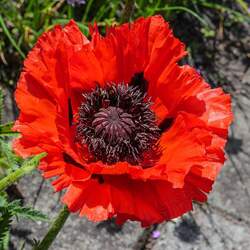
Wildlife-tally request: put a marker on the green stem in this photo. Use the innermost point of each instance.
(12, 41)
(54, 230)
(84, 19)
(181, 8)
(70, 12)
(128, 11)
(25, 169)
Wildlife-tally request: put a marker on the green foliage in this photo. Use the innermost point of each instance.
(12, 168)
(9, 162)
(9, 210)
(5, 222)
(22, 22)
(25, 212)
(27, 166)
(1, 105)
(5, 130)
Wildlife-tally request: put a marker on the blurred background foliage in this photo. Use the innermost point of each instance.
(23, 21)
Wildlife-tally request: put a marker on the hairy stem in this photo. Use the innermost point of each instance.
(55, 228)
(25, 169)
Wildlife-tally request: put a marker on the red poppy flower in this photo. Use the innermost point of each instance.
(129, 133)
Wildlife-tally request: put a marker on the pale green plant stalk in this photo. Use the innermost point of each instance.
(25, 169)
(55, 228)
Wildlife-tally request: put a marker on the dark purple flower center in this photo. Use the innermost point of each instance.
(117, 124)
(113, 124)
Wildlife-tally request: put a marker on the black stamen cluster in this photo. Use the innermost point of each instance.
(117, 123)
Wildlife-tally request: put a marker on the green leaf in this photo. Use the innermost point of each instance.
(8, 156)
(22, 247)
(5, 222)
(222, 7)
(244, 6)
(4, 243)
(3, 200)
(1, 105)
(30, 213)
(3, 166)
(35, 243)
(5, 129)
(13, 205)
(16, 208)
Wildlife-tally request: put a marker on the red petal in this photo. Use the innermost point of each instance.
(180, 150)
(164, 51)
(178, 88)
(160, 110)
(218, 115)
(84, 198)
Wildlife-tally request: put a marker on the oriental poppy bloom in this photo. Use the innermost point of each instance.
(128, 132)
